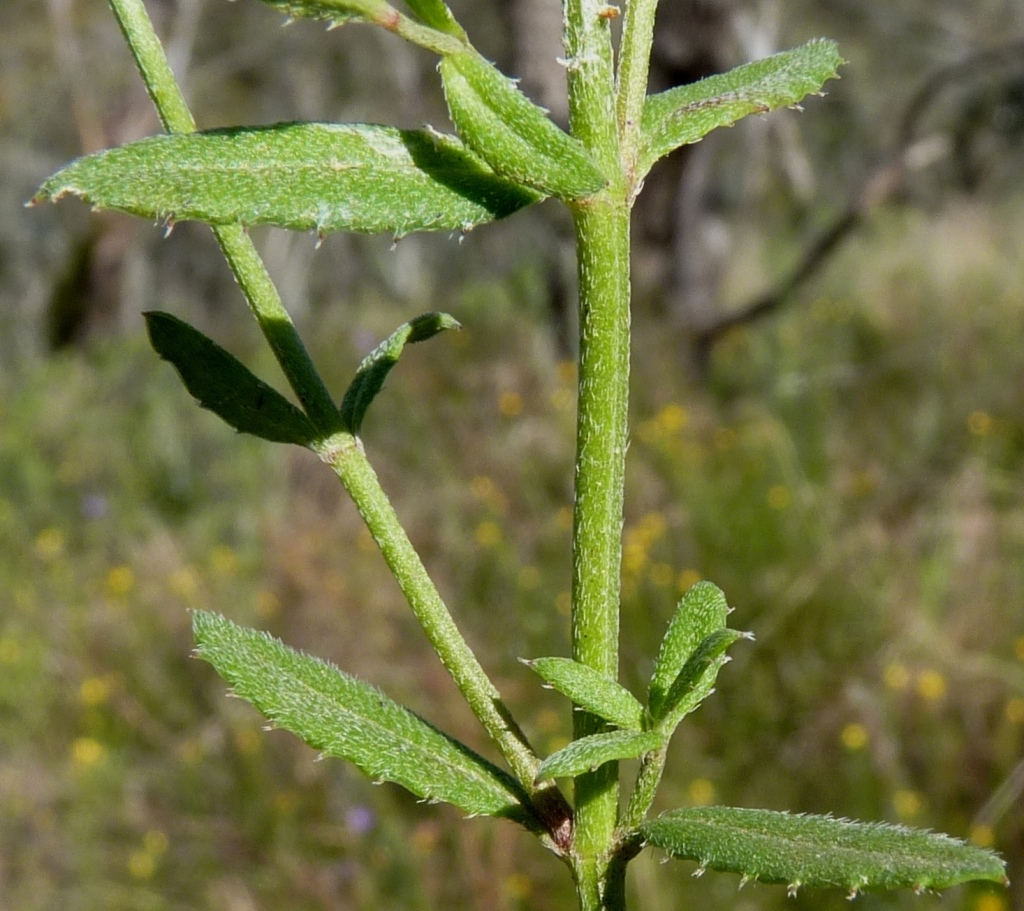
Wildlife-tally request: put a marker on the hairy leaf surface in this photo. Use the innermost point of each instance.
(696, 678)
(224, 385)
(306, 176)
(514, 136)
(591, 690)
(436, 14)
(688, 112)
(349, 719)
(818, 850)
(589, 753)
(339, 11)
(701, 611)
(369, 378)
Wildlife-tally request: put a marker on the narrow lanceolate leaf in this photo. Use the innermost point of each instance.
(696, 678)
(514, 136)
(701, 611)
(226, 386)
(349, 719)
(369, 378)
(339, 11)
(591, 690)
(436, 14)
(589, 753)
(684, 114)
(306, 176)
(818, 850)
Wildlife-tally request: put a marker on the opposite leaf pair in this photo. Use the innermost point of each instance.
(691, 654)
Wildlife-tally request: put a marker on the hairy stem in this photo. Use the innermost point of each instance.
(602, 239)
(344, 453)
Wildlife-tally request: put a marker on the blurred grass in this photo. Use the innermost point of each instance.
(850, 475)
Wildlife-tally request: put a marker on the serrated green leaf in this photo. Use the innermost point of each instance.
(369, 378)
(224, 385)
(436, 14)
(688, 112)
(818, 850)
(349, 719)
(589, 753)
(514, 136)
(592, 691)
(305, 176)
(701, 611)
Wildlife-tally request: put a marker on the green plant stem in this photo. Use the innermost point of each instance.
(602, 239)
(644, 789)
(344, 453)
(341, 450)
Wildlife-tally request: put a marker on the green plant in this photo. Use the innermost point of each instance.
(507, 155)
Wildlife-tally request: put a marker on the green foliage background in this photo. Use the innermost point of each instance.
(850, 474)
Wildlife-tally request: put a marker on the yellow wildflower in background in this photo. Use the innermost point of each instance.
(662, 574)
(184, 582)
(991, 901)
(854, 736)
(908, 804)
(701, 792)
(49, 543)
(529, 577)
(896, 676)
(931, 685)
(1015, 710)
(87, 752)
(687, 579)
(982, 835)
(487, 492)
(141, 865)
(94, 691)
(120, 581)
(224, 560)
(510, 404)
(488, 534)
(517, 886)
(980, 423)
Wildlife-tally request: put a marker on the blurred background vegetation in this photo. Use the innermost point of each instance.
(847, 466)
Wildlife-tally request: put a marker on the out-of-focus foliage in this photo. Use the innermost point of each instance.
(850, 474)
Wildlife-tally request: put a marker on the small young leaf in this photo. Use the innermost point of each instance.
(436, 14)
(589, 753)
(592, 691)
(696, 678)
(701, 611)
(349, 719)
(338, 11)
(514, 136)
(688, 112)
(224, 385)
(369, 378)
(306, 176)
(818, 850)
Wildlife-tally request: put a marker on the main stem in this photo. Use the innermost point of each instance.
(602, 242)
